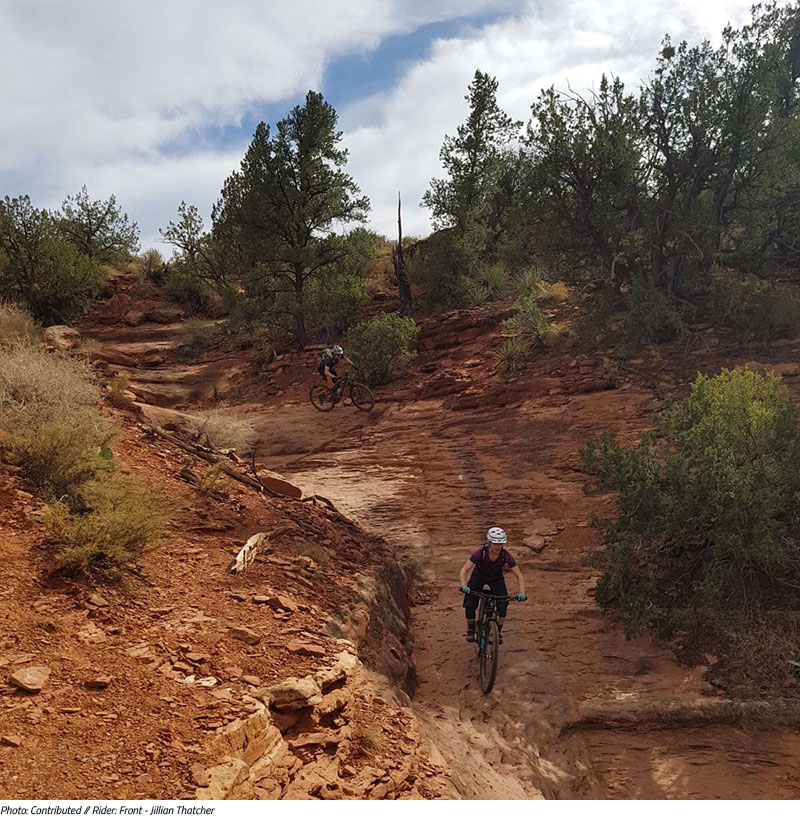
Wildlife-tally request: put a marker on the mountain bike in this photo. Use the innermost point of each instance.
(488, 636)
(325, 399)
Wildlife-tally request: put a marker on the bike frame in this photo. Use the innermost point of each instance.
(487, 609)
(487, 613)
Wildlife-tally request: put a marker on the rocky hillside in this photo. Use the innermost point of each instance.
(181, 679)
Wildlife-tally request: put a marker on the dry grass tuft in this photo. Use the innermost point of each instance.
(226, 432)
(121, 520)
(16, 326)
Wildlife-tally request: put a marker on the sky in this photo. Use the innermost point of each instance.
(156, 101)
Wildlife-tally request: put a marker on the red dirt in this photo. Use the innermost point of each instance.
(448, 451)
(141, 736)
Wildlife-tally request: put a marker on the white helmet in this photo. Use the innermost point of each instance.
(496, 535)
(337, 351)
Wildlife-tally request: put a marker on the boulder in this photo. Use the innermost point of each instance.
(31, 678)
(11, 740)
(228, 781)
(61, 337)
(345, 665)
(143, 653)
(151, 358)
(124, 401)
(279, 602)
(294, 693)
(195, 657)
(134, 317)
(114, 309)
(213, 306)
(277, 483)
(166, 315)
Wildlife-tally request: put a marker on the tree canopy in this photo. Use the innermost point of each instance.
(290, 193)
(99, 229)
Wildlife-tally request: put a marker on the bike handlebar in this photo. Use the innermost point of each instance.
(490, 595)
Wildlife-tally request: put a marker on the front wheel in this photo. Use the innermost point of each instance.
(490, 644)
(362, 396)
(322, 398)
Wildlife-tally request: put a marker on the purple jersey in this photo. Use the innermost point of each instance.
(487, 570)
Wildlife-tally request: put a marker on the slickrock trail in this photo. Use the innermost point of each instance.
(431, 481)
(577, 711)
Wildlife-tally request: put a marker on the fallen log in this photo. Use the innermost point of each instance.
(272, 484)
(637, 714)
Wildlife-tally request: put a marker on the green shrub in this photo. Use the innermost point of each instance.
(16, 326)
(333, 303)
(528, 322)
(756, 655)
(51, 426)
(41, 269)
(531, 320)
(555, 292)
(152, 267)
(441, 269)
(380, 347)
(512, 356)
(196, 338)
(186, 288)
(529, 282)
(31, 376)
(497, 279)
(708, 514)
(652, 315)
(69, 282)
(733, 295)
(58, 453)
(773, 316)
(120, 518)
(476, 293)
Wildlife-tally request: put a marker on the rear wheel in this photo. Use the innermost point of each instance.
(322, 398)
(490, 644)
(362, 396)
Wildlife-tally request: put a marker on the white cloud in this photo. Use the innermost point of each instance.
(100, 88)
(550, 43)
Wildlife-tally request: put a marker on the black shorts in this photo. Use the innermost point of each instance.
(496, 587)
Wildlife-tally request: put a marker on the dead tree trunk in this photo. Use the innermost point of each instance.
(400, 264)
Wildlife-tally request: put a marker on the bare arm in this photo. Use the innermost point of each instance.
(520, 580)
(466, 570)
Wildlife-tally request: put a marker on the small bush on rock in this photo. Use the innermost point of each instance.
(512, 356)
(381, 346)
